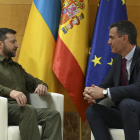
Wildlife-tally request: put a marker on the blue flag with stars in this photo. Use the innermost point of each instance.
(100, 56)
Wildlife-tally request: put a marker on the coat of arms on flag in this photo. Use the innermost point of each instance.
(71, 13)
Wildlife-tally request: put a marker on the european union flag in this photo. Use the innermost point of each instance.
(100, 57)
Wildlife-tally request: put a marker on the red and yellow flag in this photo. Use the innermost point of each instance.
(71, 51)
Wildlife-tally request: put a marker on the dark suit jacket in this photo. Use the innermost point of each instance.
(113, 79)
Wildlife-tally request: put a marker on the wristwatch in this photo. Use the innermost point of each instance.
(105, 92)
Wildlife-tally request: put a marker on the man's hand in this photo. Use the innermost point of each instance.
(87, 96)
(19, 96)
(95, 92)
(92, 93)
(89, 99)
(41, 90)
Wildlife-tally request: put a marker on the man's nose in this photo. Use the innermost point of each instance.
(16, 45)
(109, 42)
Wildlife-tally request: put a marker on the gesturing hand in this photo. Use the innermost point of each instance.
(19, 96)
(41, 90)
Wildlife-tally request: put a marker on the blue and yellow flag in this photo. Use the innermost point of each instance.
(100, 56)
(39, 40)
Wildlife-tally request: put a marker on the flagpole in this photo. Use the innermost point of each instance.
(80, 130)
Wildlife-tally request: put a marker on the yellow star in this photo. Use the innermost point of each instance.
(123, 2)
(110, 62)
(89, 50)
(96, 60)
(98, 3)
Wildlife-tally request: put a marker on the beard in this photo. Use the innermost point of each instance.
(7, 52)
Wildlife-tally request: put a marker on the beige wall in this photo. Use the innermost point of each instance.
(14, 14)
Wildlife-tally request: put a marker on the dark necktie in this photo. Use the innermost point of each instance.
(124, 80)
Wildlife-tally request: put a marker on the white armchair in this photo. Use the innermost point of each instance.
(51, 100)
(116, 134)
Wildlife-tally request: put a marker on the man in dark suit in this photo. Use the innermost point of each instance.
(122, 85)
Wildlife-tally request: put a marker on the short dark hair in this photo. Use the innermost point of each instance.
(125, 27)
(4, 31)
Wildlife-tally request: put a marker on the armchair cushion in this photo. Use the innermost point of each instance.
(14, 133)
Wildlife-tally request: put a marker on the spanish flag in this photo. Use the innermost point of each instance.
(39, 41)
(71, 51)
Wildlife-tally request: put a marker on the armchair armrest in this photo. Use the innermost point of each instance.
(51, 100)
(3, 118)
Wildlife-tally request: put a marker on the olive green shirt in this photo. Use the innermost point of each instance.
(14, 77)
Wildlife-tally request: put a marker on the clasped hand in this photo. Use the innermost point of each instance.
(92, 93)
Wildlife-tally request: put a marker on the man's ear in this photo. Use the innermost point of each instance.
(125, 38)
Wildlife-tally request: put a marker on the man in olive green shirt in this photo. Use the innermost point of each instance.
(14, 84)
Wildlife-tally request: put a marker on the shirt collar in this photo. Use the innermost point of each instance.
(2, 58)
(130, 55)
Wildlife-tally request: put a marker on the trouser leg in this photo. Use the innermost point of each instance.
(130, 111)
(26, 118)
(51, 123)
(99, 117)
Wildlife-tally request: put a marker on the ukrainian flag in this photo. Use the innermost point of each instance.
(39, 40)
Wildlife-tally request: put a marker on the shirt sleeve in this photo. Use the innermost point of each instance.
(5, 91)
(109, 95)
(32, 82)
